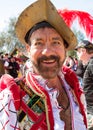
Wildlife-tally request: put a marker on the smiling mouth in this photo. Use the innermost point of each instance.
(49, 61)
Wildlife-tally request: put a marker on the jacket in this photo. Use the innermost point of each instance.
(46, 120)
(88, 85)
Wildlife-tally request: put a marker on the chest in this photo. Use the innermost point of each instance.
(65, 113)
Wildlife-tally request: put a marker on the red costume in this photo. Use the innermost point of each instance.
(44, 119)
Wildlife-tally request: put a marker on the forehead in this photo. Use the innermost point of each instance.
(45, 32)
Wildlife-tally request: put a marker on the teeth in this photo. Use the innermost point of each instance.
(50, 61)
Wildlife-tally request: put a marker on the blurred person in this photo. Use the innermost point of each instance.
(13, 67)
(76, 63)
(85, 55)
(69, 62)
(6, 56)
(6, 62)
(2, 69)
(49, 96)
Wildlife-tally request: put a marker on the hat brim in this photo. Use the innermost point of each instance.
(77, 47)
(80, 45)
(44, 10)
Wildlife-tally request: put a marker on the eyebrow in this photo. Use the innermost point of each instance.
(54, 38)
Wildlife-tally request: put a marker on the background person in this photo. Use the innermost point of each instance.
(85, 54)
(70, 62)
(2, 69)
(13, 67)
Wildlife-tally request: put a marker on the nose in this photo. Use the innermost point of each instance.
(47, 51)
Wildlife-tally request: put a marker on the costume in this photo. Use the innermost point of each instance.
(12, 99)
(36, 104)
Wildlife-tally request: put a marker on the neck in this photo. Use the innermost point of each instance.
(54, 83)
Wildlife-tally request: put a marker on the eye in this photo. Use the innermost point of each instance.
(56, 43)
(38, 44)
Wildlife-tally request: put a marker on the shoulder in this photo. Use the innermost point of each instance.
(73, 81)
(91, 61)
(90, 65)
(68, 72)
(70, 77)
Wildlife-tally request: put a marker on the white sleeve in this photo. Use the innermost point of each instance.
(8, 114)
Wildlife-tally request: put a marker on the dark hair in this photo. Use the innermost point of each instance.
(42, 24)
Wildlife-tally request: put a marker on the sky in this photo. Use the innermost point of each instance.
(12, 8)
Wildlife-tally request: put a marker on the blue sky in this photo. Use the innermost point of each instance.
(12, 8)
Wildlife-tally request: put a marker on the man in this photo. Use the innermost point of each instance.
(51, 98)
(85, 54)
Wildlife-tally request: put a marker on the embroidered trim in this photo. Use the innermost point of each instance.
(31, 81)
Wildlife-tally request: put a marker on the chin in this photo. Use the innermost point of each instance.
(49, 75)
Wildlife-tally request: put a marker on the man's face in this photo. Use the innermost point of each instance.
(81, 53)
(47, 52)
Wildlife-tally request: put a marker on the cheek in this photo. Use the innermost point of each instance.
(80, 55)
(34, 53)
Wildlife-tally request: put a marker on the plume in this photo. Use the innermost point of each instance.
(85, 20)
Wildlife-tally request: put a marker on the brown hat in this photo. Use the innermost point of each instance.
(44, 10)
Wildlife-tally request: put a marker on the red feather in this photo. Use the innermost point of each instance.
(85, 20)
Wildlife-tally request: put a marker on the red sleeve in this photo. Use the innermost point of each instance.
(6, 81)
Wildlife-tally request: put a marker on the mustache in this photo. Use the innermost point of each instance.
(51, 57)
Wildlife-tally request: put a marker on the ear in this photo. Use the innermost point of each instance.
(28, 48)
